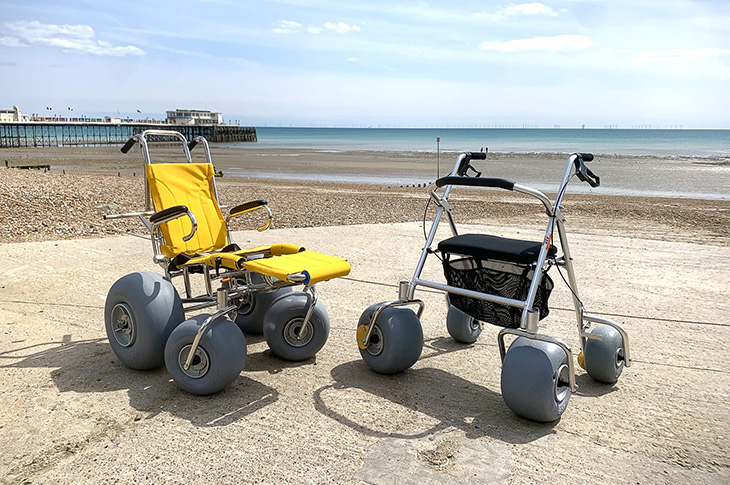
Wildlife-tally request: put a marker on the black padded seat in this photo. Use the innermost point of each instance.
(484, 246)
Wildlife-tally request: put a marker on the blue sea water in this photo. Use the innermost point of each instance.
(657, 142)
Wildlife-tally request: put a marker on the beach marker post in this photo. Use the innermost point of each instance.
(438, 155)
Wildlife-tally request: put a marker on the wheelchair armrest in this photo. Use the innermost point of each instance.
(172, 213)
(251, 206)
(248, 206)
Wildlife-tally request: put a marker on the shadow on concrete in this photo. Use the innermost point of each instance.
(90, 366)
(267, 361)
(587, 387)
(449, 399)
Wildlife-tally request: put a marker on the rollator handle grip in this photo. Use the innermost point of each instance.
(128, 146)
(476, 155)
(587, 157)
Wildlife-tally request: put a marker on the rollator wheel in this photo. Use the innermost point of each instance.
(283, 327)
(141, 311)
(604, 359)
(218, 360)
(536, 380)
(252, 307)
(395, 342)
(462, 327)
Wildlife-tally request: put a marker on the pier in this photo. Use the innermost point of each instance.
(31, 134)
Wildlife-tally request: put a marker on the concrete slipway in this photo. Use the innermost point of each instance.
(70, 413)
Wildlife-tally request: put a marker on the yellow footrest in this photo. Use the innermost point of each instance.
(315, 267)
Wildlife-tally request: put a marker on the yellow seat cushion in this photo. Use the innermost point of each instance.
(191, 185)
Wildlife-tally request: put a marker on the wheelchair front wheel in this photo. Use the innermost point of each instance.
(141, 311)
(463, 328)
(218, 360)
(604, 359)
(283, 327)
(536, 380)
(396, 341)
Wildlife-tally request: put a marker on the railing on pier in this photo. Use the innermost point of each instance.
(40, 134)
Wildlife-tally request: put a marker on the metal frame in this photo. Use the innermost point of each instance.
(530, 316)
(233, 284)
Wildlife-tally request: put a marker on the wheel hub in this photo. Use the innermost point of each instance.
(200, 364)
(295, 335)
(123, 324)
(562, 383)
(376, 342)
(246, 304)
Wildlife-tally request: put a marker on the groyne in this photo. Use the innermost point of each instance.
(54, 134)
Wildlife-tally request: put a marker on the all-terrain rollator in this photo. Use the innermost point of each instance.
(504, 282)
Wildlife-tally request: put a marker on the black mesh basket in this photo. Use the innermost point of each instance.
(508, 280)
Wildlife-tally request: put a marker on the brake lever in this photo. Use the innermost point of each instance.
(478, 174)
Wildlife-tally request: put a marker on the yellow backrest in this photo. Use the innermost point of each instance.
(191, 185)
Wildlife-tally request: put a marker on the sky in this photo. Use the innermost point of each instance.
(389, 63)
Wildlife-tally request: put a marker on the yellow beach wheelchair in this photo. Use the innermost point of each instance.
(144, 315)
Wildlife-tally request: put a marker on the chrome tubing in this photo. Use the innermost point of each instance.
(366, 340)
(619, 328)
(310, 310)
(202, 330)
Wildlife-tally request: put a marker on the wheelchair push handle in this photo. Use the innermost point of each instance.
(584, 173)
(130, 143)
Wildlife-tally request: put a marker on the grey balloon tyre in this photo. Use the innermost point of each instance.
(463, 328)
(219, 358)
(253, 306)
(396, 341)
(283, 327)
(536, 380)
(604, 359)
(141, 311)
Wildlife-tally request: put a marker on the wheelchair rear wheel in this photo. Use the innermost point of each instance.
(141, 311)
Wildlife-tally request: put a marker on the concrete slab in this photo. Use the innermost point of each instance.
(70, 413)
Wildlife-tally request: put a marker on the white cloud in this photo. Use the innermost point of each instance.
(69, 38)
(341, 27)
(678, 54)
(314, 30)
(287, 27)
(554, 44)
(533, 8)
(351, 59)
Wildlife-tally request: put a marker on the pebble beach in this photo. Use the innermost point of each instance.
(68, 200)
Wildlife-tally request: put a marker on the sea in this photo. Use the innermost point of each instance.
(657, 142)
(677, 163)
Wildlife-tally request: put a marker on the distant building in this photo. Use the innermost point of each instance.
(9, 115)
(112, 119)
(194, 117)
